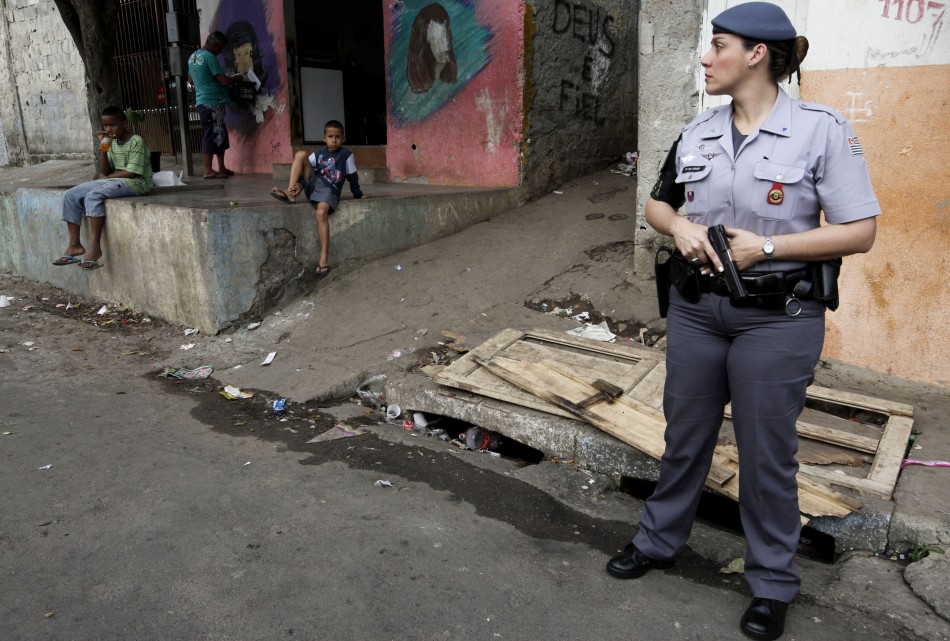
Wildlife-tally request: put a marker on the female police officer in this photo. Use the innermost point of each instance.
(763, 166)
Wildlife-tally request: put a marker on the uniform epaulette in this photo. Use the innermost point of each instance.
(705, 116)
(814, 106)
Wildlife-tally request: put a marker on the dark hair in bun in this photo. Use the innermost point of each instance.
(785, 56)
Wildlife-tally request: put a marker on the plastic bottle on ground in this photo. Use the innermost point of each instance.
(477, 439)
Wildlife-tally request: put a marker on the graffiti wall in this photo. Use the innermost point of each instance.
(582, 82)
(454, 90)
(258, 121)
(893, 84)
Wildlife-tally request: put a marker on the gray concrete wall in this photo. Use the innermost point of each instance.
(190, 259)
(580, 88)
(42, 78)
(669, 98)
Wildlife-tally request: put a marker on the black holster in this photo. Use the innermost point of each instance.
(824, 276)
(661, 268)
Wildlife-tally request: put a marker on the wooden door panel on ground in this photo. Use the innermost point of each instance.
(554, 372)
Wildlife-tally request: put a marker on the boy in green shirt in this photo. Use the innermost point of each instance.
(124, 170)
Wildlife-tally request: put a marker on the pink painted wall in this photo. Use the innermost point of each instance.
(474, 136)
(260, 136)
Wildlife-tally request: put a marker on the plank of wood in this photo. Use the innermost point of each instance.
(828, 433)
(858, 400)
(890, 453)
(625, 419)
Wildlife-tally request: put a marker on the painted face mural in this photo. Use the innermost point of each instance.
(250, 51)
(430, 49)
(436, 48)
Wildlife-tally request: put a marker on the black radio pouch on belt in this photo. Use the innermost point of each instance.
(824, 275)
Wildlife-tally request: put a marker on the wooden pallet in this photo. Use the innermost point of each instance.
(552, 372)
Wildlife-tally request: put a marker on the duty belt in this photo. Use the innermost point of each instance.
(767, 290)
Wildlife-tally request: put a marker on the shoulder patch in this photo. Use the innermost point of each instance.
(705, 116)
(814, 106)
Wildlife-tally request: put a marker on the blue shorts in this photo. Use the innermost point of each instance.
(319, 192)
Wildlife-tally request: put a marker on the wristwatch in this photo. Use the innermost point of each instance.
(768, 248)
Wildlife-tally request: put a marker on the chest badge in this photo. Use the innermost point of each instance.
(690, 195)
(776, 195)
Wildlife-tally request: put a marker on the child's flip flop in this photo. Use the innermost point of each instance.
(323, 270)
(89, 265)
(282, 196)
(66, 260)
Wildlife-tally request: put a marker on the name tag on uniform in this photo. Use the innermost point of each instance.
(693, 168)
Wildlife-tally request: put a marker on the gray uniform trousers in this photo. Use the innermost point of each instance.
(761, 360)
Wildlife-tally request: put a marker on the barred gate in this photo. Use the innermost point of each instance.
(142, 65)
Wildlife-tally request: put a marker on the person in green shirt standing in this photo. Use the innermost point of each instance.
(211, 95)
(125, 169)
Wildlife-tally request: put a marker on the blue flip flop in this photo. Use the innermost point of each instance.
(67, 260)
(89, 265)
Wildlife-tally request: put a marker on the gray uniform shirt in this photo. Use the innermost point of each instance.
(805, 158)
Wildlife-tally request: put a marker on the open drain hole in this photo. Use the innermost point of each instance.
(723, 513)
(507, 447)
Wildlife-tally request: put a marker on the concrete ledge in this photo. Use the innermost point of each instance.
(598, 452)
(212, 258)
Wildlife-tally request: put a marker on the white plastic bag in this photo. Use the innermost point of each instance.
(167, 179)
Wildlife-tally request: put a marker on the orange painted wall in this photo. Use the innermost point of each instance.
(895, 302)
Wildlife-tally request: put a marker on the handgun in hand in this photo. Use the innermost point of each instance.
(720, 242)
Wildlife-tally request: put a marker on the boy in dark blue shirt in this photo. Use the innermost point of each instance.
(320, 176)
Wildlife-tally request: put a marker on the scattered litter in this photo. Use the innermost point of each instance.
(229, 340)
(253, 325)
(643, 330)
(45, 467)
(102, 310)
(382, 483)
(44, 298)
(28, 308)
(233, 203)
(398, 268)
(4, 301)
(337, 431)
(376, 400)
(190, 331)
(8, 433)
(420, 419)
(28, 344)
(559, 193)
(269, 359)
(736, 566)
(816, 619)
(397, 353)
(247, 463)
(423, 331)
(180, 372)
(60, 305)
(599, 332)
(69, 306)
(913, 461)
(289, 429)
(187, 346)
(279, 405)
(231, 393)
(583, 317)
(49, 615)
(393, 412)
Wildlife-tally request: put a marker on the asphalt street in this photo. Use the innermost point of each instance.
(136, 507)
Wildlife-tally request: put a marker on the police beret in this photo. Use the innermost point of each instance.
(757, 20)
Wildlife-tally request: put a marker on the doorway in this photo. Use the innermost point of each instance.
(342, 69)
